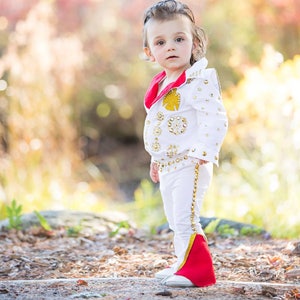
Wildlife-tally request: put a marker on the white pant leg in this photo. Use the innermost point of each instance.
(177, 194)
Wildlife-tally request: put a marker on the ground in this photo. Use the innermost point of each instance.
(120, 263)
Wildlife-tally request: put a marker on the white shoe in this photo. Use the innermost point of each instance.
(164, 273)
(178, 281)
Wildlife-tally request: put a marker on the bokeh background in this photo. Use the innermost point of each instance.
(72, 81)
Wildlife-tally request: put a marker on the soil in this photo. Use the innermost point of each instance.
(119, 262)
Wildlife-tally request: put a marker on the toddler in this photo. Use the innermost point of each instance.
(184, 129)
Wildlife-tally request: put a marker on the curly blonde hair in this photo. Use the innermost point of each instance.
(168, 10)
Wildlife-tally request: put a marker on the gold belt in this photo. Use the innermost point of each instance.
(169, 163)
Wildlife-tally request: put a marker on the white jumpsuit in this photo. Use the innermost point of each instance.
(186, 122)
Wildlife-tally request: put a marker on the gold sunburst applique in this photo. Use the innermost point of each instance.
(172, 100)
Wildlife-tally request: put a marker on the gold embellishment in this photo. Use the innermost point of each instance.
(205, 81)
(156, 145)
(172, 151)
(204, 153)
(160, 116)
(193, 224)
(195, 74)
(177, 125)
(189, 80)
(157, 131)
(169, 163)
(172, 100)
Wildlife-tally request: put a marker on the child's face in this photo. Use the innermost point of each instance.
(170, 43)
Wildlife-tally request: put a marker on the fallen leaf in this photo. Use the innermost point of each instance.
(293, 294)
(41, 232)
(81, 282)
(119, 250)
(164, 293)
(275, 261)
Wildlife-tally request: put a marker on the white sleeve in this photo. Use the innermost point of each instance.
(211, 119)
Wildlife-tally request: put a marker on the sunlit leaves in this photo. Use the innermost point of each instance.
(43, 68)
(263, 147)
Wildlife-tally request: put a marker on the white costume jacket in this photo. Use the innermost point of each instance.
(187, 119)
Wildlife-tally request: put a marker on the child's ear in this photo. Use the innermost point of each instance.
(195, 48)
(149, 54)
(195, 44)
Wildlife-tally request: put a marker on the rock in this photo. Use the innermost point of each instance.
(68, 218)
(241, 228)
(100, 222)
(296, 250)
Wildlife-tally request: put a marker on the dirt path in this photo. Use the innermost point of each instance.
(104, 261)
(136, 289)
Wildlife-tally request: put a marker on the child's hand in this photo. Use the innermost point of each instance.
(202, 162)
(154, 172)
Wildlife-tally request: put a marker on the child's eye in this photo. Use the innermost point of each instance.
(179, 39)
(160, 43)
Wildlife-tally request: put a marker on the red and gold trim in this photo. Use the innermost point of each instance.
(198, 265)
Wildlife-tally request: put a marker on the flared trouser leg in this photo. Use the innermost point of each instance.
(183, 192)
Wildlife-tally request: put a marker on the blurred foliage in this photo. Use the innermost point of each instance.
(72, 81)
(119, 226)
(74, 231)
(239, 30)
(259, 175)
(40, 158)
(14, 213)
(146, 208)
(43, 222)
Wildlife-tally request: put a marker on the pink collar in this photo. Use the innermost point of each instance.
(151, 96)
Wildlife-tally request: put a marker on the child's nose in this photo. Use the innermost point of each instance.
(171, 46)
